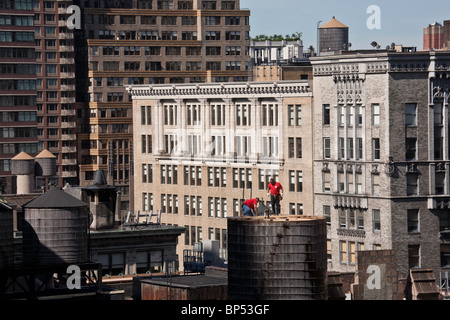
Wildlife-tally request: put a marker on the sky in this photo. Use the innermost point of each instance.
(401, 21)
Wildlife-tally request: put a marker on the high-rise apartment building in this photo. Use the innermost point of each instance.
(17, 86)
(203, 149)
(55, 71)
(382, 156)
(433, 37)
(147, 42)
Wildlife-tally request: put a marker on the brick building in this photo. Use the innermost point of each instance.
(55, 84)
(147, 42)
(433, 37)
(381, 160)
(18, 118)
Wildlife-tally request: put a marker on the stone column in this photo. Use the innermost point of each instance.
(206, 127)
(181, 124)
(230, 126)
(256, 128)
(281, 137)
(160, 127)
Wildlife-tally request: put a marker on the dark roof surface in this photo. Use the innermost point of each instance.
(99, 182)
(55, 198)
(188, 281)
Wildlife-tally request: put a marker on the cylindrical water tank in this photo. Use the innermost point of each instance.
(333, 36)
(55, 230)
(45, 164)
(277, 258)
(6, 236)
(22, 164)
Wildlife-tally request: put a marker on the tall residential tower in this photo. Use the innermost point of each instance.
(17, 86)
(147, 42)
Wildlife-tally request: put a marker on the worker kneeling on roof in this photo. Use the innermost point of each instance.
(249, 207)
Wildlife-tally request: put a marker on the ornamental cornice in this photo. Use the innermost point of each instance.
(221, 90)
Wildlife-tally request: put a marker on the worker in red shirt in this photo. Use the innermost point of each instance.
(250, 207)
(275, 192)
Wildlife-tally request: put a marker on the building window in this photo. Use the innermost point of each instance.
(149, 261)
(376, 220)
(411, 114)
(326, 182)
(376, 185)
(341, 182)
(329, 250)
(341, 147)
(359, 115)
(414, 256)
(375, 114)
(343, 252)
(411, 149)
(376, 149)
(341, 115)
(113, 263)
(350, 116)
(326, 148)
(144, 143)
(350, 149)
(445, 255)
(298, 146)
(412, 184)
(327, 214)
(326, 114)
(352, 249)
(438, 115)
(440, 183)
(350, 183)
(359, 149)
(295, 115)
(413, 220)
(360, 220)
(359, 183)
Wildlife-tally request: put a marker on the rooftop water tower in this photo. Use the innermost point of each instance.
(22, 166)
(45, 164)
(333, 37)
(277, 258)
(55, 230)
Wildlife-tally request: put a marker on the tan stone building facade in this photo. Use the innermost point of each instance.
(203, 149)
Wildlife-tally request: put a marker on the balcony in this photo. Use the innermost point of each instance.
(68, 149)
(68, 125)
(65, 36)
(68, 137)
(68, 112)
(66, 48)
(69, 174)
(69, 162)
(68, 100)
(65, 75)
(67, 61)
(68, 87)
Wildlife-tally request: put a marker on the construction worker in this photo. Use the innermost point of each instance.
(250, 207)
(275, 192)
